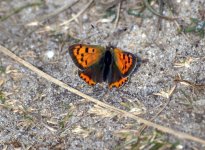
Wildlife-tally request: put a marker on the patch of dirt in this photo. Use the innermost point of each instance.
(37, 114)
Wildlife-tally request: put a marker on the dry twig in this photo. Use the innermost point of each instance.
(58, 11)
(156, 13)
(118, 15)
(74, 17)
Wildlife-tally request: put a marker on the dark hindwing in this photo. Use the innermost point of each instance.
(93, 74)
(115, 78)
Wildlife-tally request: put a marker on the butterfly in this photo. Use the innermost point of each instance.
(102, 64)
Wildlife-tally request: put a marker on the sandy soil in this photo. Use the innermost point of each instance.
(37, 114)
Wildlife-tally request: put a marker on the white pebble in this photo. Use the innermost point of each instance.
(50, 54)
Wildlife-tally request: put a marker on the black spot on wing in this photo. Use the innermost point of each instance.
(86, 49)
(128, 59)
(123, 56)
(78, 50)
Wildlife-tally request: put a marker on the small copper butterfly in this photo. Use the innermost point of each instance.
(98, 64)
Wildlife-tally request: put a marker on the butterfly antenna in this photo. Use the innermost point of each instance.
(93, 32)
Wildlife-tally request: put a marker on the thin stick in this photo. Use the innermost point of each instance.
(178, 134)
(58, 11)
(156, 13)
(77, 15)
(17, 10)
(118, 15)
(145, 126)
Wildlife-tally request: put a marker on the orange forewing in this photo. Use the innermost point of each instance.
(119, 83)
(125, 61)
(85, 56)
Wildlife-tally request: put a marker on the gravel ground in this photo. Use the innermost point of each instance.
(36, 114)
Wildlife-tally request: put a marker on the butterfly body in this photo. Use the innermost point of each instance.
(98, 64)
